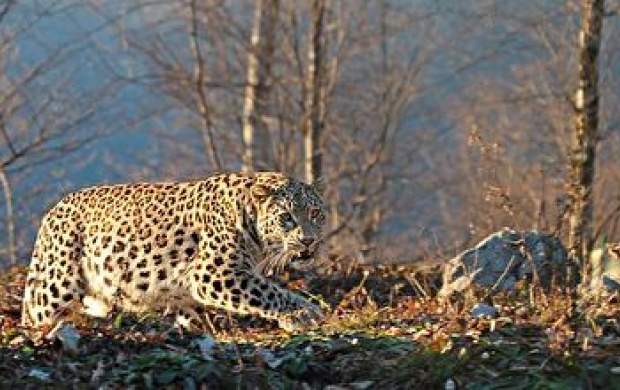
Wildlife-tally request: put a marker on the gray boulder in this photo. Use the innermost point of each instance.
(482, 310)
(502, 259)
(605, 262)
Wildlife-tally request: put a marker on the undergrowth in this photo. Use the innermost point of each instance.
(539, 340)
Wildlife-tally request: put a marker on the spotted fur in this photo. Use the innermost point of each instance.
(176, 246)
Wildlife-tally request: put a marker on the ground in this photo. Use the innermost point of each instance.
(375, 337)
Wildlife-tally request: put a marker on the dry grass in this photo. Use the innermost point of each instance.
(539, 340)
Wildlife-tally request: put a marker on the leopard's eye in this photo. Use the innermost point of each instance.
(315, 213)
(287, 221)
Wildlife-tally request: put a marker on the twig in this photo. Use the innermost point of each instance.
(6, 8)
(501, 278)
(414, 282)
(234, 342)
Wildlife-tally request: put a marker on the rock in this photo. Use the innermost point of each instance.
(206, 346)
(610, 283)
(482, 310)
(504, 258)
(67, 335)
(363, 385)
(351, 386)
(40, 374)
(605, 262)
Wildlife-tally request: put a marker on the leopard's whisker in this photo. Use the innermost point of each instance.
(283, 259)
(262, 265)
(269, 262)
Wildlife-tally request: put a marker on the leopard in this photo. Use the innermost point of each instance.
(178, 248)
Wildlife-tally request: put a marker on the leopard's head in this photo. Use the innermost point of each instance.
(289, 222)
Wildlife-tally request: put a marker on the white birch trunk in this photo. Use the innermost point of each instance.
(583, 143)
(258, 71)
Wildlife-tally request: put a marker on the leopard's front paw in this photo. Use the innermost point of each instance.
(307, 316)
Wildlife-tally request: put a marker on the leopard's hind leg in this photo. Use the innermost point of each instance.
(55, 279)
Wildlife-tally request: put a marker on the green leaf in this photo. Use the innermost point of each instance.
(165, 377)
(296, 367)
(118, 321)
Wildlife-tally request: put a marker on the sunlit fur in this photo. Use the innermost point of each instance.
(177, 247)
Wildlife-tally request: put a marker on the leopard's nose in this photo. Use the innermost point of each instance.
(307, 241)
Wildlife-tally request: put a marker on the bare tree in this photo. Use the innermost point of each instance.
(363, 105)
(314, 108)
(524, 117)
(258, 70)
(585, 136)
(199, 83)
(10, 217)
(44, 116)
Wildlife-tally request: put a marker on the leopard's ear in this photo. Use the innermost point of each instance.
(318, 185)
(261, 192)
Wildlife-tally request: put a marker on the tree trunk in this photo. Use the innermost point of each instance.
(206, 129)
(583, 144)
(258, 70)
(10, 218)
(314, 108)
